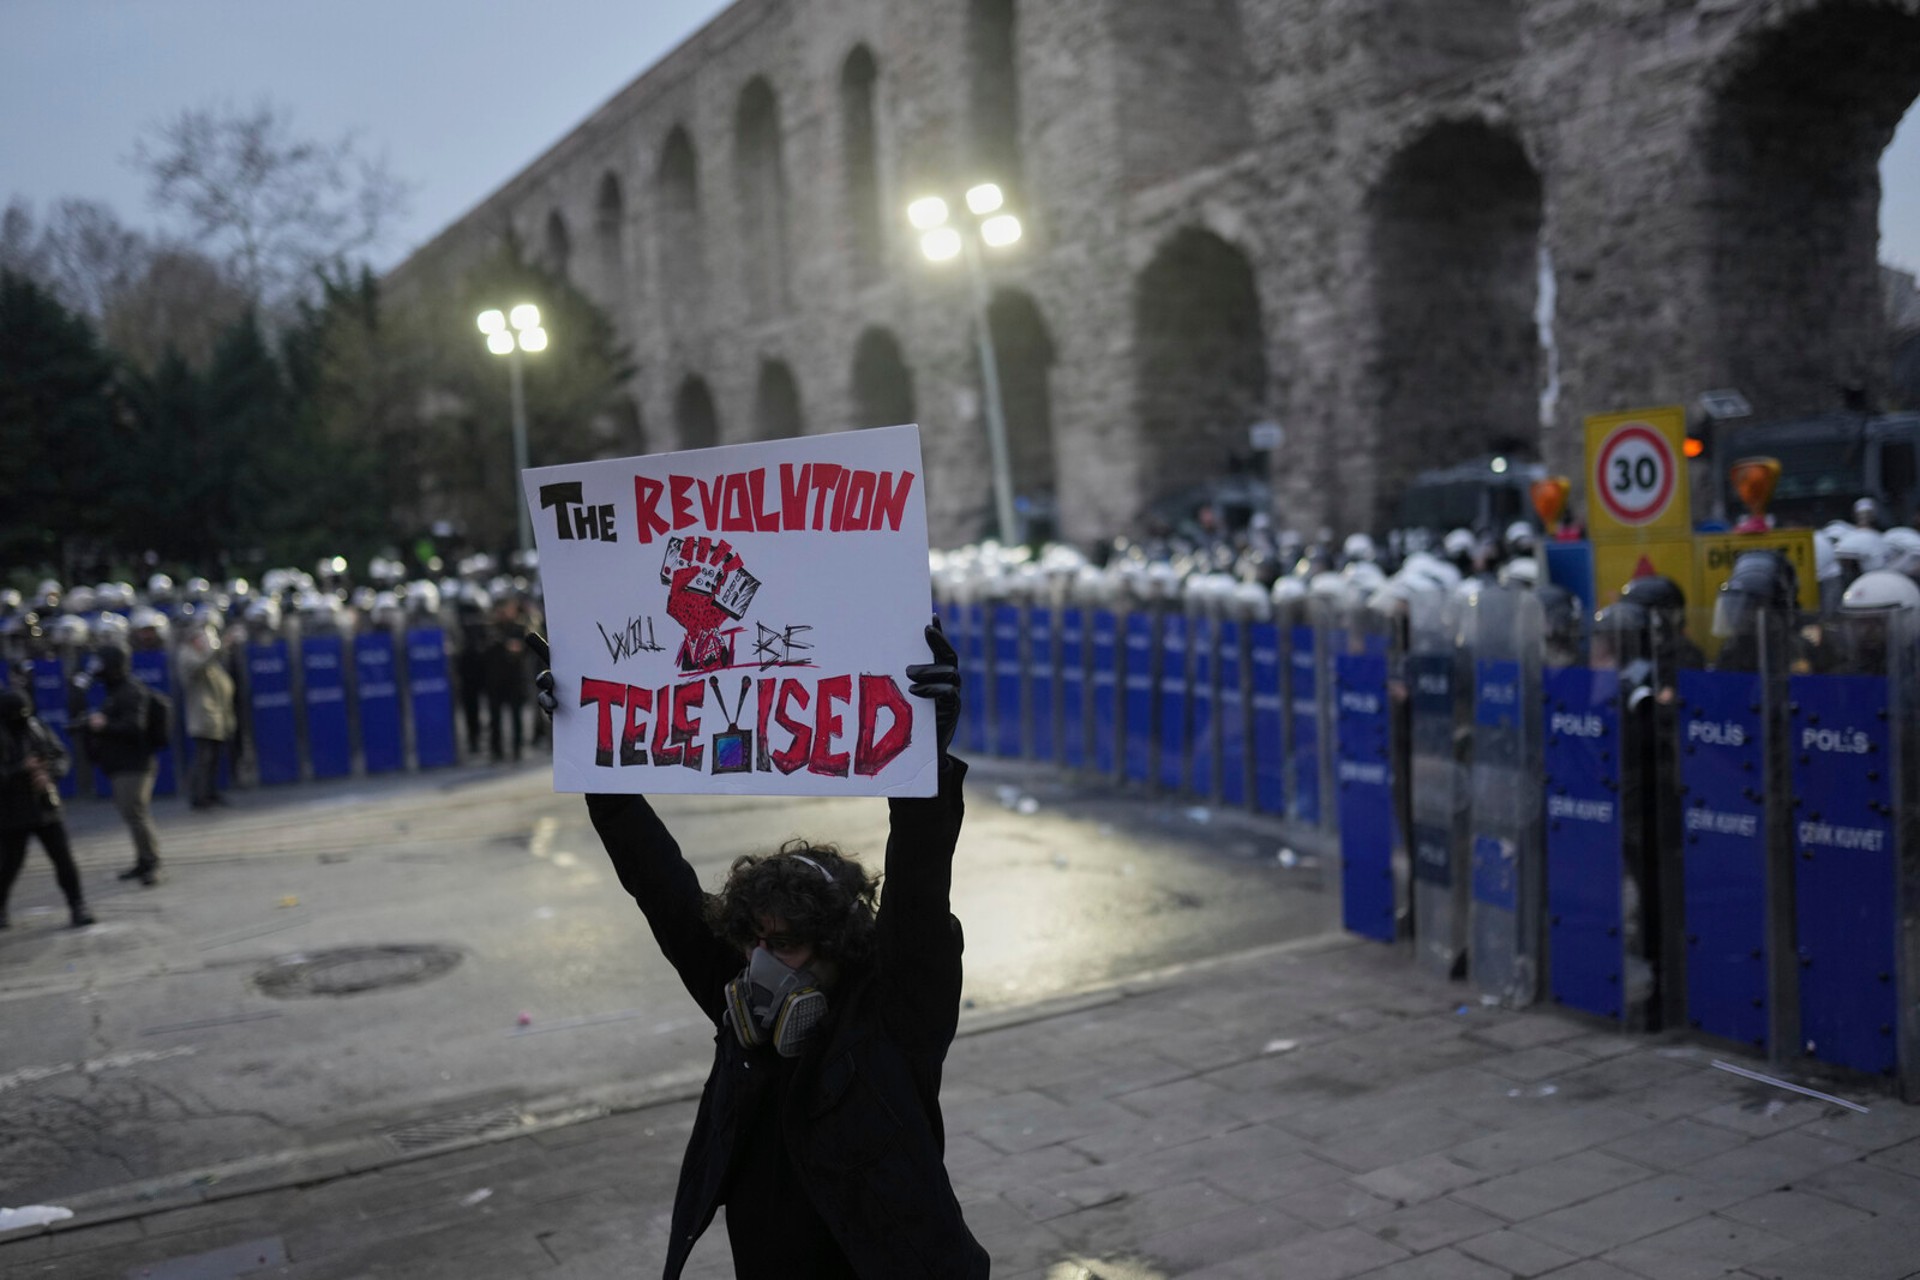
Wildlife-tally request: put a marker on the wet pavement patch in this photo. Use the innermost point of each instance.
(351, 971)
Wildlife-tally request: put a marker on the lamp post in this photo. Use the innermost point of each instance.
(508, 335)
(942, 239)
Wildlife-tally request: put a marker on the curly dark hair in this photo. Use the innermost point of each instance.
(832, 913)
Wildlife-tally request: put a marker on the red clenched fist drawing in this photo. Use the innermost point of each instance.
(707, 587)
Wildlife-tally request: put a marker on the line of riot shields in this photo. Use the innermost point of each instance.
(1596, 811)
(312, 700)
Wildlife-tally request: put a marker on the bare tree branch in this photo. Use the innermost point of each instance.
(277, 208)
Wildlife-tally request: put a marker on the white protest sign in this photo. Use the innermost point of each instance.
(738, 620)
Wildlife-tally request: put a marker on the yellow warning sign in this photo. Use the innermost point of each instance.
(1617, 563)
(1637, 475)
(1714, 554)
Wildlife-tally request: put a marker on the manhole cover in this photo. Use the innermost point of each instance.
(352, 970)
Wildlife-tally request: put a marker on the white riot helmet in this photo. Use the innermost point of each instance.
(1882, 591)
(1520, 538)
(1860, 551)
(1289, 588)
(69, 630)
(46, 596)
(1523, 573)
(112, 626)
(1358, 549)
(423, 598)
(84, 600)
(147, 618)
(1365, 576)
(1903, 550)
(159, 587)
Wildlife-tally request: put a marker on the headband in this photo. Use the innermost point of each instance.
(816, 866)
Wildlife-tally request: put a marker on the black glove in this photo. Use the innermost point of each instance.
(939, 680)
(543, 683)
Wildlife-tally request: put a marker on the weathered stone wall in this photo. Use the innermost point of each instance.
(1325, 212)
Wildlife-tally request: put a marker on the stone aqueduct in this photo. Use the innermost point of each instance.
(1328, 213)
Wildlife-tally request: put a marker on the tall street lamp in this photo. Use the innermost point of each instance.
(508, 335)
(987, 225)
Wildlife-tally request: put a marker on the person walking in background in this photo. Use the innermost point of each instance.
(31, 763)
(119, 742)
(208, 692)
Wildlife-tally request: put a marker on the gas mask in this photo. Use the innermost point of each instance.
(770, 1003)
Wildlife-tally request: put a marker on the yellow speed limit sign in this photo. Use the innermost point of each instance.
(1637, 475)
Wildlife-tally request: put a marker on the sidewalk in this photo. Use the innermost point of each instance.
(1307, 1112)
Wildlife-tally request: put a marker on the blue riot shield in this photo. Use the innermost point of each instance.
(1173, 741)
(1725, 781)
(1073, 687)
(1042, 682)
(1103, 649)
(381, 742)
(1588, 916)
(1303, 737)
(1850, 761)
(1267, 711)
(270, 701)
(1230, 710)
(1009, 678)
(430, 698)
(1136, 712)
(50, 704)
(323, 670)
(972, 647)
(1204, 749)
(1363, 787)
(151, 668)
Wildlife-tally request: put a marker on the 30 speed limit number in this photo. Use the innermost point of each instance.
(1634, 471)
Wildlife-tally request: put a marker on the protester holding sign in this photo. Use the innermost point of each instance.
(820, 1125)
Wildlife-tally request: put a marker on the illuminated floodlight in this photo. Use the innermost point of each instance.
(492, 322)
(985, 198)
(1499, 466)
(927, 212)
(525, 316)
(1001, 229)
(534, 339)
(500, 342)
(942, 244)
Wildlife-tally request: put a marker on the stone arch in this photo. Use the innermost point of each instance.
(1455, 261)
(1024, 353)
(993, 92)
(882, 382)
(559, 243)
(681, 242)
(776, 403)
(1799, 117)
(860, 162)
(761, 184)
(695, 421)
(610, 232)
(1200, 364)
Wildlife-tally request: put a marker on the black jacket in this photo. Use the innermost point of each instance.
(121, 747)
(861, 1119)
(23, 806)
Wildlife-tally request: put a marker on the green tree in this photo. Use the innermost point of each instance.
(62, 422)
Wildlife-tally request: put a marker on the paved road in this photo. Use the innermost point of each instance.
(153, 1045)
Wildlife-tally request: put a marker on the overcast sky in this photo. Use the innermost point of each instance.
(458, 94)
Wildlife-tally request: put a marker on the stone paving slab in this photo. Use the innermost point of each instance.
(1362, 1121)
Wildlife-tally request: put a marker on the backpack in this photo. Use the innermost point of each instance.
(159, 721)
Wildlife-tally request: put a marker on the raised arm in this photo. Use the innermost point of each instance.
(651, 867)
(917, 940)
